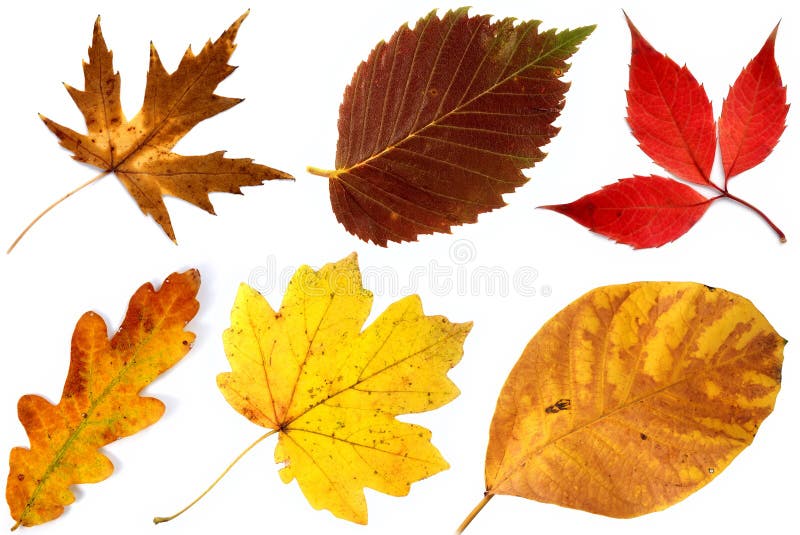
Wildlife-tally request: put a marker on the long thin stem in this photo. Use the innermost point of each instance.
(471, 516)
(773, 226)
(59, 201)
(160, 519)
(723, 192)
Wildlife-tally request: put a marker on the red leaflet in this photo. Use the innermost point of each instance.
(669, 113)
(671, 116)
(640, 211)
(754, 114)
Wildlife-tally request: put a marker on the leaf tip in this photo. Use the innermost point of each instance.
(774, 34)
(558, 208)
(636, 36)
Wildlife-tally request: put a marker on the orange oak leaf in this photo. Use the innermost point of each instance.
(438, 123)
(139, 151)
(632, 398)
(331, 389)
(100, 402)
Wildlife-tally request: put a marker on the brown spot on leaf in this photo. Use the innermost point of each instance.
(558, 406)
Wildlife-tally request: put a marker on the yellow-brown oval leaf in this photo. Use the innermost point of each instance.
(633, 397)
(100, 402)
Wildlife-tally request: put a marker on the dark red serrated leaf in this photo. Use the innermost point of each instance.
(639, 211)
(754, 114)
(669, 113)
(438, 122)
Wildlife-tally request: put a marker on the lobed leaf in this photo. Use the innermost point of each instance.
(139, 151)
(332, 391)
(100, 402)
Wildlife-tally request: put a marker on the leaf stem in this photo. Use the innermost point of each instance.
(320, 172)
(160, 519)
(773, 226)
(471, 516)
(727, 194)
(59, 201)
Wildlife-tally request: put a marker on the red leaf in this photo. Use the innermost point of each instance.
(754, 114)
(437, 124)
(669, 113)
(640, 211)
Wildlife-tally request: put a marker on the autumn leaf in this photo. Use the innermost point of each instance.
(643, 211)
(139, 151)
(632, 398)
(331, 391)
(437, 124)
(671, 116)
(100, 402)
(754, 114)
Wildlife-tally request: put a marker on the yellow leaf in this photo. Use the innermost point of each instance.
(332, 390)
(632, 398)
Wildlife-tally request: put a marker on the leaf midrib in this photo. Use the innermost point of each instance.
(601, 417)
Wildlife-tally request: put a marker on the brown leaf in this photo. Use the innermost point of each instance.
(139, 151)
(438, 123)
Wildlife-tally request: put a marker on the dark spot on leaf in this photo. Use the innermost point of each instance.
(558, 406)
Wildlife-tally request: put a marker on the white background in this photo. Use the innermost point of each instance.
(295, 59)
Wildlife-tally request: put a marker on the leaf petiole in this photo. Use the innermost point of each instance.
(320, 172)
(161, 519)
(56, 203)
(472, 514)
(724, 193)
(773, 226)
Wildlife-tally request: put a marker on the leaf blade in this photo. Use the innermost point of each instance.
(100, 401)
(406, 164)
(640, 211)
(333, 391)
(669, 113)
(139, 151)
(667, 383)
(754, 113)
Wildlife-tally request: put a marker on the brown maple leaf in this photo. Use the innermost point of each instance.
(139, 151)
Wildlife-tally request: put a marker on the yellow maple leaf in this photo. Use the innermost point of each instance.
(331, 391)
(139, 151)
